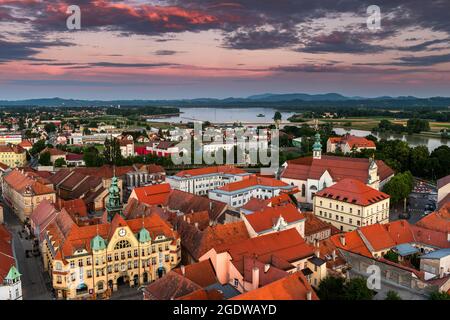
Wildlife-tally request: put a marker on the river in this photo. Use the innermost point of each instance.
(226, 115)
(413, 140)
(250, 115)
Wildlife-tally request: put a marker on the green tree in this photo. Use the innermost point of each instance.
(419, 157)
(392, 295)
(331, 288)
(92, 158)
(391, 256)
(60, 162)
(356, 289)
(399, 187)
(50, 127)
(437, 295)
(37, 147)
(44, 159)
(277, 116)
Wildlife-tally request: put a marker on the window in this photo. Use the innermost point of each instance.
(351, 210)
(89, 274)
(109, 258)
(167, 258)
(72, 264)
(136, 252)
(122, 255)
(88, 261)
(58, 279)
(116, 256)
(236, 283)
(58, 266)
(136, 263)
(122, 244)
(80, 263)
(129, 254)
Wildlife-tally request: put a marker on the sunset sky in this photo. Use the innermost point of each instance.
(206, 48)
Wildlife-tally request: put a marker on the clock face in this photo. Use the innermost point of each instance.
(122, 232)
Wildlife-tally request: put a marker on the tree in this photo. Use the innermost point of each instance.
(419, 157)
(391, 256)
(399, 187)
(91, 157)
(44, 159)
(331, 288)
(50, 127)
(277, 116)
(356, 289)
(60, 162)
(112, 153)
(392, 295)
(37, 147)
(437, 295)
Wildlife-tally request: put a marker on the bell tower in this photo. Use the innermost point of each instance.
(373, 179)
(317, 147)
(113, 204)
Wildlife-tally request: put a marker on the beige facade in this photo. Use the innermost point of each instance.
(347, 216)
(13, 157)
(125, 260)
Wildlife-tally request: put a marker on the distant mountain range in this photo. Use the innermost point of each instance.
(261, 100)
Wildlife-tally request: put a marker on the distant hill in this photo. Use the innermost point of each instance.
(288, 101)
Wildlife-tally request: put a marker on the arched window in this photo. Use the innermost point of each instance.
(324, 185)
(122, 244)
(303, 190)
(313, 188)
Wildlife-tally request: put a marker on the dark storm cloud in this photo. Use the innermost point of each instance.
(165, 52)
(11, 51)
(261, 39)
(247, 24)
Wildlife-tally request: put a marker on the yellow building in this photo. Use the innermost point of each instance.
(23, 192)
(350, 204)
(89, 262)
(13, 155)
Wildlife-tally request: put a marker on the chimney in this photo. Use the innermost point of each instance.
(309, 295)
(183, 271)
(441, 272)
(196, 225)
(342, 238)
(266, 267)
(255, 278)
(333, 254)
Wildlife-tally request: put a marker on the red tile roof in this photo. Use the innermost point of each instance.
(6, 252)
(438, 220)
(54, 152)
(315, 225)
(197, 242)
(169, 287)
(203, 294)
(211, 170)
(286, 246)
(338, 167)
(24, 181)
(265, 219)
(353, 191)
(12, 148)
(153, 195)
(202, 273)
(292, 287)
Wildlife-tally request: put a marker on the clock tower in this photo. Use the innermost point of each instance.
(113, 204)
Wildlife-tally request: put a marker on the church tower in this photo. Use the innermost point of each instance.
(317, 147)
(373, 179)
(113, 204)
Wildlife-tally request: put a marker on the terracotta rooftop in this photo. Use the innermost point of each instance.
(266, 218)
(210, 170)
(204, 294)
(171, 286)
(338, 167)
(279, 249)
(353, 141)
(314, 225)
(22, 182)
(353, 191)
(438, 220)
(53, 152)
(6, 253)
(201, 273)
(197, 242)
(292, 287)
(12, 148)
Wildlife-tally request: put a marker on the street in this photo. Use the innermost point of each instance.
(35, 283)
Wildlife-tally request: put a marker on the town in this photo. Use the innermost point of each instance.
(95, 207)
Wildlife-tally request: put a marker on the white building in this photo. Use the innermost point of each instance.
(312, 174)
(350, 204)
(237, 194)
(10, 283)
(443, 186)
(200, 181)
